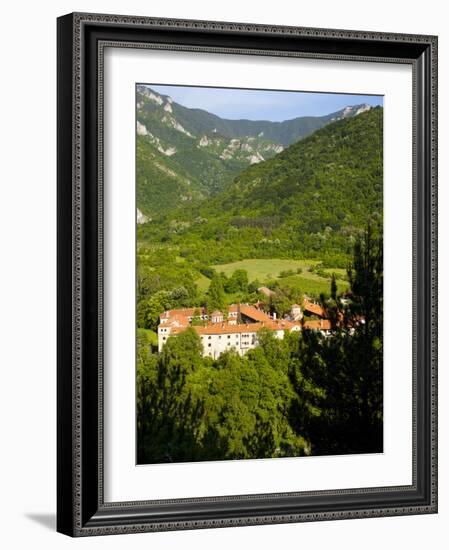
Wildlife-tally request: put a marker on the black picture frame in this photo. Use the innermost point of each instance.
(81, 510)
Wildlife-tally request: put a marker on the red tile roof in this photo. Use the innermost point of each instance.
(186, 312)
(320, 324)
(177, 320)
(254, 313)
(316, 309)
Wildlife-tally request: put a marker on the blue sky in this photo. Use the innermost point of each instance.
(262, 104)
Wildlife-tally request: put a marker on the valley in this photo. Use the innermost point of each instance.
(289, 221)
(259, 283)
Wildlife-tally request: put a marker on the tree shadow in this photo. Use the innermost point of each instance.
(46, 520)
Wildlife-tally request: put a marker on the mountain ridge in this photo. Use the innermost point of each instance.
(310, 122)
(188, 154)
(311, 199)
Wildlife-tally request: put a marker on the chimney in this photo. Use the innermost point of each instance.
(274, 316)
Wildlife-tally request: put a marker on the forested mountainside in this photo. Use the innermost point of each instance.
(185, 155)
(310, 200)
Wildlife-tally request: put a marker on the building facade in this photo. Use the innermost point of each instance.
(236, 329)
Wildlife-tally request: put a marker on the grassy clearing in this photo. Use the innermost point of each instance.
(203, 282)
(315, 286)
(263, 269)
(269, 269)
(339, 272)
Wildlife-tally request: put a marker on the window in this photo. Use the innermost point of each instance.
(229, 336)
(209, 345)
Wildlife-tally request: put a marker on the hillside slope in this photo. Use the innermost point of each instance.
(187, 154)
(310, 200)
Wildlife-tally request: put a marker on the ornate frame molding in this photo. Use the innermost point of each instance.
(81, 41)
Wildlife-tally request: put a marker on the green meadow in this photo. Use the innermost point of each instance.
(294, 273)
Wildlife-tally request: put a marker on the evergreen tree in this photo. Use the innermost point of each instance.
(333, 287)
(215, 294)
(338, 379)
(168, 415)
(238, 281)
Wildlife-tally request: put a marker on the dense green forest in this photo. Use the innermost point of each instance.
(231, 207)
(306, 394)
(309, 201)
(184, 154)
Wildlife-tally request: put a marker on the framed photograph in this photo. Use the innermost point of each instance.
(247, 279)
